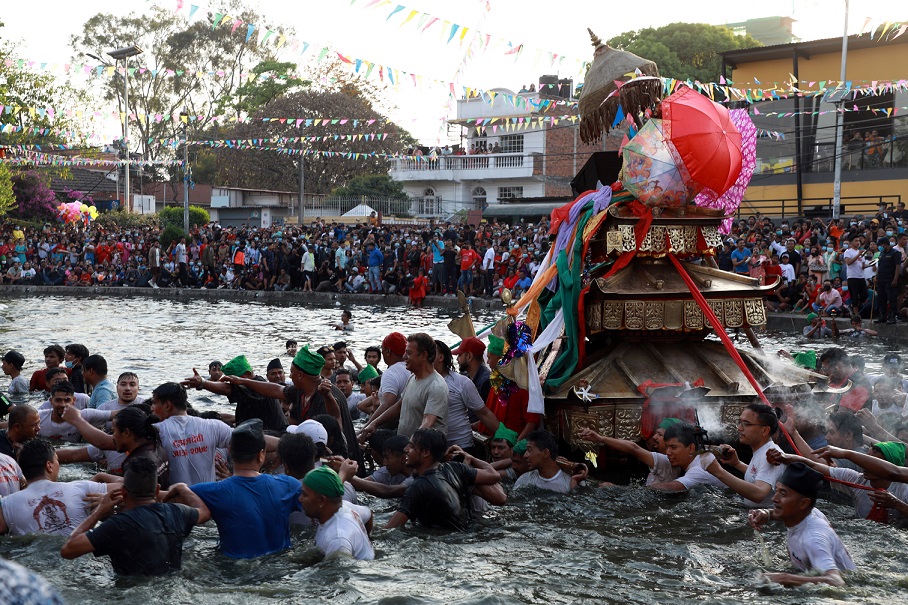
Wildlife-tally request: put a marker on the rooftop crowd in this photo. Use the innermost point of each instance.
(327, 257)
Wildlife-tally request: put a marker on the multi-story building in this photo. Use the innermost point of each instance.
(525, 159)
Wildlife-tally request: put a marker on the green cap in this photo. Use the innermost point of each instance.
(367, 373)
(503, 432)
(309, 362)
(811, 317)
(237, 366)
(893, 451)
(520, 447)
(496, 345)
(324, 480)
(806, 359)
(668, 423)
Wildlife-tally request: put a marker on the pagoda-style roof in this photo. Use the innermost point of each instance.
(616, 376)
(660, 279)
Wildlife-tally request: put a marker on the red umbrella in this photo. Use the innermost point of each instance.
(704, 139)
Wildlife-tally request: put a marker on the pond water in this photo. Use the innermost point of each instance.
(615, 545)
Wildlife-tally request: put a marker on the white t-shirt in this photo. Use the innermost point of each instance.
(18, 386)
(190, 443)
(559, 483)
(761, 470)
(693, 475)
(49, 507)
(345, 533)
(662, 471)
(462, 396)
(10, 474)
(813, 544)
(488, 260)
(80, 402)
(112, 459)
(394, 380)
(64, 431)
(112, 405)
(856, 269)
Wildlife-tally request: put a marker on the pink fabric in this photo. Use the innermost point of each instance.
(731, 199)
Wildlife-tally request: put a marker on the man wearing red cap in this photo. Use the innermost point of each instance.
(393, 380)
(471, 363)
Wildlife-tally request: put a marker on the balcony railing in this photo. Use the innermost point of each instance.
(462, 162)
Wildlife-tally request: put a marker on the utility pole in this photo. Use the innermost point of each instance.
(116, 55)
(184, 117)
(839, 127)
(302, 213)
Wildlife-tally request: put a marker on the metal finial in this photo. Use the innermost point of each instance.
(596, 40)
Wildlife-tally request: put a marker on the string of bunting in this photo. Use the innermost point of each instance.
(45, 159)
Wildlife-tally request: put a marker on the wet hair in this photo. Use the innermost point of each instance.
(395, 445)
(80, 351)
(834, 355)
(126, 375)
(64, 386)
(378, 438)
(343, 371)
(172, 392)
(325, 350)
(140, 478)
(57, 349)
(376, 350)
(339, 345)
(424, 344)
(51, 372)
(857, 361)
(33, 457)
(289, 342)
(445, 350)
(297, 452)
(544, 440)
(347, 313)
(18, 414)
(766, 415)
(337, 443)
(683, 432)
(431, 440)
(138, 423)
(847, 423)
(375, 382)
(96, 363)
(144, 406)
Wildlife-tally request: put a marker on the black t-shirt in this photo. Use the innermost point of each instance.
(156, 455)
(145, 541)
(887, 264)
(441, 497)
(315, 407)
(250, 404)
(794, 259)
(450, 256)
(77, 380)
(6, 446)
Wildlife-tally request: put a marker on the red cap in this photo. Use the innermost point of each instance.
(395, 342)
(470, 345)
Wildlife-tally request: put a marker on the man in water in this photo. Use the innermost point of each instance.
(658, 473)
(394, 379)
(94, 371)
(471, 364)
(23, 425)
(545, 473)
(813, 545)
(343, 527)
(291, 347)
(46, 505)
(440, 495)
(680, 453)
(73, 356)
(275, 372)
(251, 509)
(144, 539)
(53, 426)
(12, 367)
(53, 358)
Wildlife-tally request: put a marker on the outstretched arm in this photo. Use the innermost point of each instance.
(91, 434)
(267, 389)
(197, 382)
(621, 445)
(877, 466)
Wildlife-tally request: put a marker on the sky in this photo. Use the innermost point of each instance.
(367, 29)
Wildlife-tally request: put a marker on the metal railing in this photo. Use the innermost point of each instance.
(820, 207)
(360, 207)
(462, 162)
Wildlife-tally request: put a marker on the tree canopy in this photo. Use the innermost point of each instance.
(684, 50)
(372, 185)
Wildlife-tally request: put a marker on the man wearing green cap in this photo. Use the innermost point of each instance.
(249, 403)
(309, 396)
(501, 449)
(251, 509)
(816, 327)
(342, 529)
(660, 470)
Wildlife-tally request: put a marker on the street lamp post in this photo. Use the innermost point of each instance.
(184, 117)
(839, 127)
(116, 55)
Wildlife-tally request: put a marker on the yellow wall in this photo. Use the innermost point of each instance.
(767, 199)
(884, 63)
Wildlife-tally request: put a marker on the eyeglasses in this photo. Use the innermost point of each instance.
(745, 424)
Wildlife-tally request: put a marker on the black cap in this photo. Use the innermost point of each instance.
(883, 241)
(275, 364)
(16, 358)
(892, 359)
(802, 479)
(248, 437)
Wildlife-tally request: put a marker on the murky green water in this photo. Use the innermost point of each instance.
(616, 545)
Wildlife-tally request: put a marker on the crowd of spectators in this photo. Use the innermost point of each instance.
(849, 266)
(439, 258)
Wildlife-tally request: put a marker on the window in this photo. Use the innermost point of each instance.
(512, 143)
(479, 197)
(505, 193)
(429, 192)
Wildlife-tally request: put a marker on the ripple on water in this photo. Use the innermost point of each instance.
(614, 545)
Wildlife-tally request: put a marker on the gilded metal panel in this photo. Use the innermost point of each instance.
(633, 315)
(594, 317)
(674, 315)
(581, 420)
(607, 421)
(690, 239)
(693, 316)
(730, 414)
(755, 312)
(676, 239)
(628, 242)
(612, 241)
(627, 421)
(718, 307)
(734, 313)
(654, 315)
(711, 236)
(611, 315)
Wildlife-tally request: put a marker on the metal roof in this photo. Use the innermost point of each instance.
(804, 49)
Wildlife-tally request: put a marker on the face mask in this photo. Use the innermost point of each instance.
(68, 364)
(889, 232)
(779, 232)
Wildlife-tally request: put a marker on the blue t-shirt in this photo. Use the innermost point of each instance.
(438, 250)
(739, 256)
(376, 258)
(252, 513)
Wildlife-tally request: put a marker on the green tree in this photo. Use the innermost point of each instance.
(270, 80)
(684, 50)
(372, 185)
(173, 215)
(7, 197)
